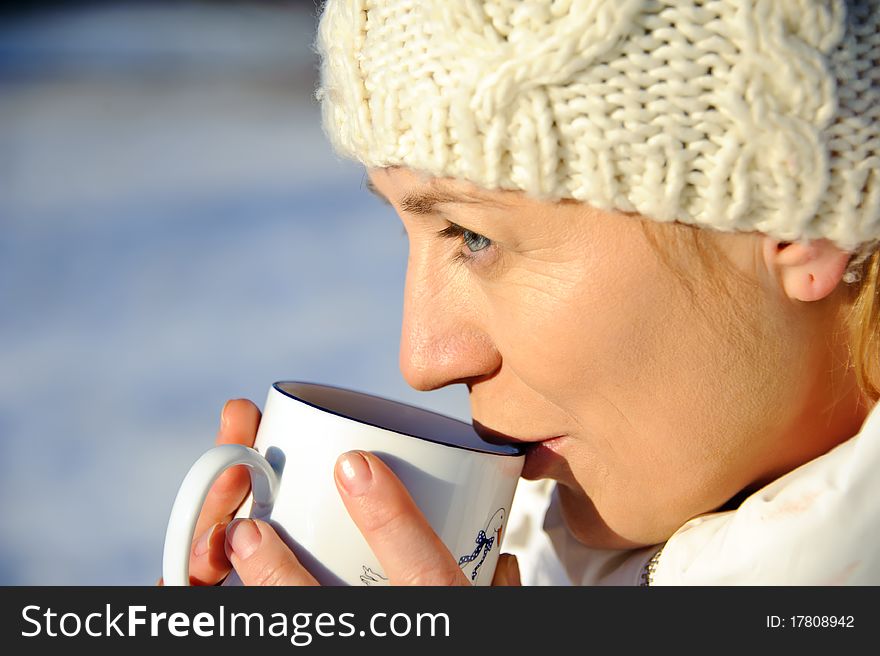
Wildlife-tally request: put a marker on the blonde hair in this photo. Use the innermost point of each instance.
(863, 322)
(862, 282)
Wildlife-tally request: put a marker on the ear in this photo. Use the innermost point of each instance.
(808, 271)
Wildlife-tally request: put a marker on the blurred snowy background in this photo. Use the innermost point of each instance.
(175, 232)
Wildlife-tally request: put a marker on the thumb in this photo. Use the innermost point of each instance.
(507, 571)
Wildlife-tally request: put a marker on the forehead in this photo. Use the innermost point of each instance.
(418, 192)
(402, 179)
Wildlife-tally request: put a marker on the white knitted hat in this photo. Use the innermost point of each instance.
(730, 114)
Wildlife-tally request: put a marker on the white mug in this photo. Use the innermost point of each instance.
(462, 483)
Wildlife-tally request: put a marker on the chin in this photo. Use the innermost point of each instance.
(587, 525)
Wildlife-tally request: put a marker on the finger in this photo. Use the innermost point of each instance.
(405, 544)
(260, 557)
(506, 571)
(208, 564)
(239, 421)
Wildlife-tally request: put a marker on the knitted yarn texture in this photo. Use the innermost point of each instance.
(729, 114)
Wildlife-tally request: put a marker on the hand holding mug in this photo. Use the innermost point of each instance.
(406, 546)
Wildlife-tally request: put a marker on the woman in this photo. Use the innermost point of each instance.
(644, 235)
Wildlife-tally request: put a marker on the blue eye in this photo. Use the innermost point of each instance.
(475, 242)
(469, 238)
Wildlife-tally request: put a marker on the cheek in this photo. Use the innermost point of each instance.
(588, 328)
(541, 336)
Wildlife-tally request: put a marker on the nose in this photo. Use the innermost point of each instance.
(443, 339)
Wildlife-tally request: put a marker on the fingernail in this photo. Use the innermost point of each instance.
(243, 537)
(204, 543)
(223, 419)
(356, 475)
(201, 545)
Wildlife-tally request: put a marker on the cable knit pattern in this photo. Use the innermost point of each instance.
(730, 114)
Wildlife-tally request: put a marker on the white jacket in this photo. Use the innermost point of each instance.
(817, 525)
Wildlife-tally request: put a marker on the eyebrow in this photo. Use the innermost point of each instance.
(423, 203)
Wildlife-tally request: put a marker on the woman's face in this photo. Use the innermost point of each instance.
(648, 399)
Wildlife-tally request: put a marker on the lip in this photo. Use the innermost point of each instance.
(544, 458)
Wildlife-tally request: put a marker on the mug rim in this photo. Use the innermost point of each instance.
(504, 449)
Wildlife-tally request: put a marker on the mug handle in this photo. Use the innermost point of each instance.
(192, 494)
